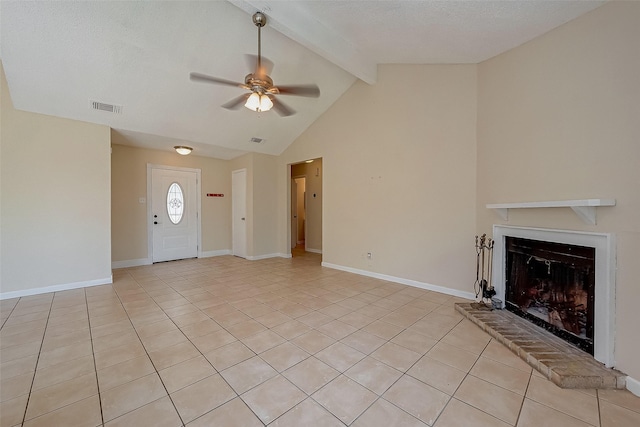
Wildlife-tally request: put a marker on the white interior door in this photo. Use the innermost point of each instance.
(239, 212)
(174, 210)
(294, 213)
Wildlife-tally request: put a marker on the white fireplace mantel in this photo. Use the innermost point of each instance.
(585, 208)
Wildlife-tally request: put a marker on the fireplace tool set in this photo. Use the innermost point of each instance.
(484, 260)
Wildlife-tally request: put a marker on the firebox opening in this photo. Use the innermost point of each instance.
(552, 285)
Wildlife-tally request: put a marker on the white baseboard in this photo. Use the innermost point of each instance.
(56, 288)
(315, 251)
(130, 263)
(276, 255)
(409, 282)
(147, 261)
(209, 254)
(633, 386)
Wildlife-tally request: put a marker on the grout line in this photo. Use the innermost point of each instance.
(95, 367)
(598, 403)
(35, 368)
(10, 313)
(526, 389)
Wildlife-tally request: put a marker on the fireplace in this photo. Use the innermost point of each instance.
(561, 280)
(552, 285)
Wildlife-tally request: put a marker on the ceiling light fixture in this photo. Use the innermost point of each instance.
(258, 102)
(181, 149)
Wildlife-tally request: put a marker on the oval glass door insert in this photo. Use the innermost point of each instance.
(175, 203)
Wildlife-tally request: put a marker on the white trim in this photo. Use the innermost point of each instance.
(198, 172)
(56, 288)
(633, 386)
(221, 252)
(409, 282)
(266, 256)
(315, 251)
(605, 270)
(131, 263)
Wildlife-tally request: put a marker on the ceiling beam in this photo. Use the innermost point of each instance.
(293, 21)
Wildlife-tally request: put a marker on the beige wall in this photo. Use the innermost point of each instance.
(262, 203)
(398, 175)
(129, 184)
(55, 196)
(558, 118)
(314, 201)
(265, 206)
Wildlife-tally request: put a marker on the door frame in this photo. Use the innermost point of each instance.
(319, 173)
(198, 172)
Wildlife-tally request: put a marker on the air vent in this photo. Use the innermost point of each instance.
(257, 140)
(109, 108)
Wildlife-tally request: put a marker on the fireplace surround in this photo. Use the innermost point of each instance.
(603, 292)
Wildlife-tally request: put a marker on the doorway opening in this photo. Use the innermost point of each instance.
(305, 207)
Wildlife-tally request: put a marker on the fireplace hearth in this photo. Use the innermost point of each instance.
(560, 362)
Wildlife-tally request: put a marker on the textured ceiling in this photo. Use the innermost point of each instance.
(60, 55)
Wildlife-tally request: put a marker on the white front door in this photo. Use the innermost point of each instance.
(174, 210)
(239, 212)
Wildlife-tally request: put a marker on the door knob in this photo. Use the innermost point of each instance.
(155, 222)
(242, 219)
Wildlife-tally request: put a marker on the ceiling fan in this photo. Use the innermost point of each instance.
(261, 87)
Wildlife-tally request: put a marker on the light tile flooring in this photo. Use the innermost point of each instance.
(279, 342)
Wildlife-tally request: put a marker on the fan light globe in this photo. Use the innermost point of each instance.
(265, 103)
(258, 102)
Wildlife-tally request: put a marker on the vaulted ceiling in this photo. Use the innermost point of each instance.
(60, 56)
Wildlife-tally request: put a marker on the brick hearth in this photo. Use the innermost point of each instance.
(559, 361)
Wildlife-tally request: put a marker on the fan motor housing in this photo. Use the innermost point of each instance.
(263, 83)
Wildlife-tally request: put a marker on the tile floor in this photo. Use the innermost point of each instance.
(279, 342)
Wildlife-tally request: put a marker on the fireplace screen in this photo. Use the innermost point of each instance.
(552, 285)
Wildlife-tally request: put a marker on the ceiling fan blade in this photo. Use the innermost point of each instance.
(266, 66)
(210, 79)
(282, 109)
(311, 91)
(237, 102)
